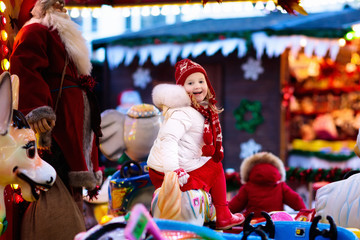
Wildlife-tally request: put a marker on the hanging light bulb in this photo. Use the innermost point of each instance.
(3, 21)
(155, 11)
(2, 6)
(270, 6)
(96, 13)
(356, 28)
(126, 12)
(75, 13)
(342, 42)
(145, 11)
(4, 50)
(349, 36)
(85, 13)
(4, 35)
(5, 64)
(303, 42)
(259, 5)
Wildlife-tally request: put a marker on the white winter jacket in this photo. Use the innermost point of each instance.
(180, 138)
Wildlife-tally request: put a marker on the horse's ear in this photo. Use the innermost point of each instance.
(15, 91)
(5, 102)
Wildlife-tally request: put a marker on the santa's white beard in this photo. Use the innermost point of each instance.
(70, 35)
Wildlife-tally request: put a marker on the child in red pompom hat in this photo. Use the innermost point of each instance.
(263, 175)
(190, 140)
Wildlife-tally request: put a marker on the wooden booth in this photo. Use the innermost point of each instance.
(288, 84)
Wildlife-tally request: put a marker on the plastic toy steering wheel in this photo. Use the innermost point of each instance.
(314, 231)
(130, 169)
(260, 230)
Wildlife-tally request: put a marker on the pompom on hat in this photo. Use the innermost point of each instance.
(185, 68)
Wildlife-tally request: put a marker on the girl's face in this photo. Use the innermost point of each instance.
(196, 85)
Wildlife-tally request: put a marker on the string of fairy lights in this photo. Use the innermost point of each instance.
(5, 65)
(225, 9)
(188, 12)
(212, 8)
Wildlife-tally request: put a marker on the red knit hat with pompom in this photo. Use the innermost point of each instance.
(185, 68)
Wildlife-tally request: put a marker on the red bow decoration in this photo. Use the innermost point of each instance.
(87, 82)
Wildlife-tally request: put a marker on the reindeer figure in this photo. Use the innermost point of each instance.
(19, 161)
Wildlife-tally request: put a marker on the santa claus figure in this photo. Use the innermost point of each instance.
(52, 61)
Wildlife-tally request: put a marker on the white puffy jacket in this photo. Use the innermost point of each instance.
(180, 138)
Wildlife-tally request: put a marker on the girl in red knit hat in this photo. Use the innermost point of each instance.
(190, 140)
(263, 175)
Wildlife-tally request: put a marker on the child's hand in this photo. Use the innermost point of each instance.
(182, 175)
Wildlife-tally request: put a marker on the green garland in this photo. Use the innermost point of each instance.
(331, 157)
(316, 175)
(240, 112)
(303, 175)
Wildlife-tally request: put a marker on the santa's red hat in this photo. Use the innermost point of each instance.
(25, 12)
(185, 68)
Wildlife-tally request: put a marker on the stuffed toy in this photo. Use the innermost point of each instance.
(264, 189)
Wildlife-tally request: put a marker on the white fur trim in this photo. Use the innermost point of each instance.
(86, 179)
(88, 135)
(171, 96)
(71, 36)
(261, 157)
(39, 113)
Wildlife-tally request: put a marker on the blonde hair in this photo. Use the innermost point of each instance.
(208, 96)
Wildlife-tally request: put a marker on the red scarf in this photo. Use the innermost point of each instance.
(212, 133)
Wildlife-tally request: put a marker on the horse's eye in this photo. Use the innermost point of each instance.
(30, 152)
(30, 149)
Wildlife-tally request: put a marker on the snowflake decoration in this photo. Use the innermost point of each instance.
(249, 148)
(252, 69)
(141, 77)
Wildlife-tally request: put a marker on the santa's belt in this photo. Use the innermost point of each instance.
(74, 86)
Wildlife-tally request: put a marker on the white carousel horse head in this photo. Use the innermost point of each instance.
(341, 199)
(193, 206)
(19, 161)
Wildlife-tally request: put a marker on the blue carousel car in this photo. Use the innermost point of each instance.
(141, 225)
(128, 186)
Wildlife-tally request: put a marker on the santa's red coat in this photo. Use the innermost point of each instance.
(38, 59)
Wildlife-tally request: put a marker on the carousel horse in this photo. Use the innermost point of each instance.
(193, 206)
(341, 199)
(19, 161)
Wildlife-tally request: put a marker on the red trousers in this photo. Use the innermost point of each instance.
(210, 177)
